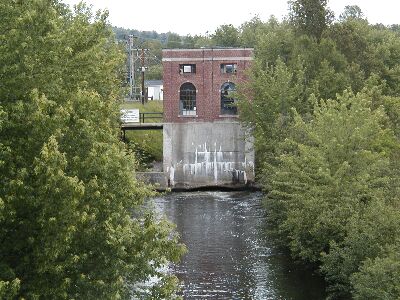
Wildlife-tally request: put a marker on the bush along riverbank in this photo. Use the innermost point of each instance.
(333, 196)
(73, 217)
(326, 128)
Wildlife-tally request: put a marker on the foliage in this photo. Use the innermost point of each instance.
(268, 112)
(326, 168)
(122, 34)
(226, 35)
(351, 12)
(203, 41)
(374, 51)
(310, 17)
(251, 30)
(379, 278)
(189, 41)
(371, 231)
(174, 41)
(332, 191)
(331, 173)
(154, 72)
(155, 48)
(72, 223)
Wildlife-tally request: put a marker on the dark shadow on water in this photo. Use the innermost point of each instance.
(229, 188)
(295, 281)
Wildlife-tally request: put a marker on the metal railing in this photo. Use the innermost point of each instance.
(151, 115)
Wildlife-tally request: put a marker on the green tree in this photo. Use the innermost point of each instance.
(155, 48)
(273, 90)
(326, 70)
(351, 12)
(277, 42)
(227, 36)
(189, 41)
(337, 162)
(203, 41)
(371, 232)
(370, 49)
(154, 72)
(249, 30)
(72, 217)
(310, 17)
(174, 41)
(330, 168)
(378, 278)
(334, 177)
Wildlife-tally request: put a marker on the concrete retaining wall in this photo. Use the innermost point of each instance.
(157, 179)
(206, 154)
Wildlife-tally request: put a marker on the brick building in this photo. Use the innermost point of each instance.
(197, 82)
(204, 144)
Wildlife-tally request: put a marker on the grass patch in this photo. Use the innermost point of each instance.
(147, 144)
(150, 106)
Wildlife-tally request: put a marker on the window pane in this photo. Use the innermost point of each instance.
(187, 99)
(228, 102)
(187, 68)
(228, 68)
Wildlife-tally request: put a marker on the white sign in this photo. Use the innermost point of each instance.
(130, 115)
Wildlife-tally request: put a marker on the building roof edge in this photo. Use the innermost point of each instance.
(203, 49)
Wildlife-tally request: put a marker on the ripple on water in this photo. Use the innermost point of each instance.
(229, 256)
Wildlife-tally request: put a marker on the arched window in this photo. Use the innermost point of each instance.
(228, 103)
(187, 103)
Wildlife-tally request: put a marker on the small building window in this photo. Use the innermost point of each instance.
(228, 68)
(186, 69)
(228, 102)
(187, 103)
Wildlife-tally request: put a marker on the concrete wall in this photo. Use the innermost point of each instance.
(204, 154)
(157, 179)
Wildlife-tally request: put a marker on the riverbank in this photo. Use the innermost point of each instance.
(160, 183)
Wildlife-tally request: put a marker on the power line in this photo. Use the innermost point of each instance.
(138, 60)
(143, 69)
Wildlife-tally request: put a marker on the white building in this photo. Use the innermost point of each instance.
(154, 89)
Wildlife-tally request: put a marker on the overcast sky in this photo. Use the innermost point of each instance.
(198, 17)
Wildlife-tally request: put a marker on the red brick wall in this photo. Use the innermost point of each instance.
(208, 79)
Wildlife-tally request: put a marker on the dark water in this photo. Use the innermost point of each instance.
(229, 255)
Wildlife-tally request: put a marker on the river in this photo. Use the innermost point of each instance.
(229, 255)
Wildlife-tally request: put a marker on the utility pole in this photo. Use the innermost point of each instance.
(143, 70)
(131, 67)
(133, 56)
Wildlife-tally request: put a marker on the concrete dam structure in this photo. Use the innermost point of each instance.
(207, 154)
(204, 144)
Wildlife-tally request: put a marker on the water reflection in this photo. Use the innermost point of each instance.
(229, 256)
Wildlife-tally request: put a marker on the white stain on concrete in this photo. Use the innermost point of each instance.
(172, 175)
(216, 164)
